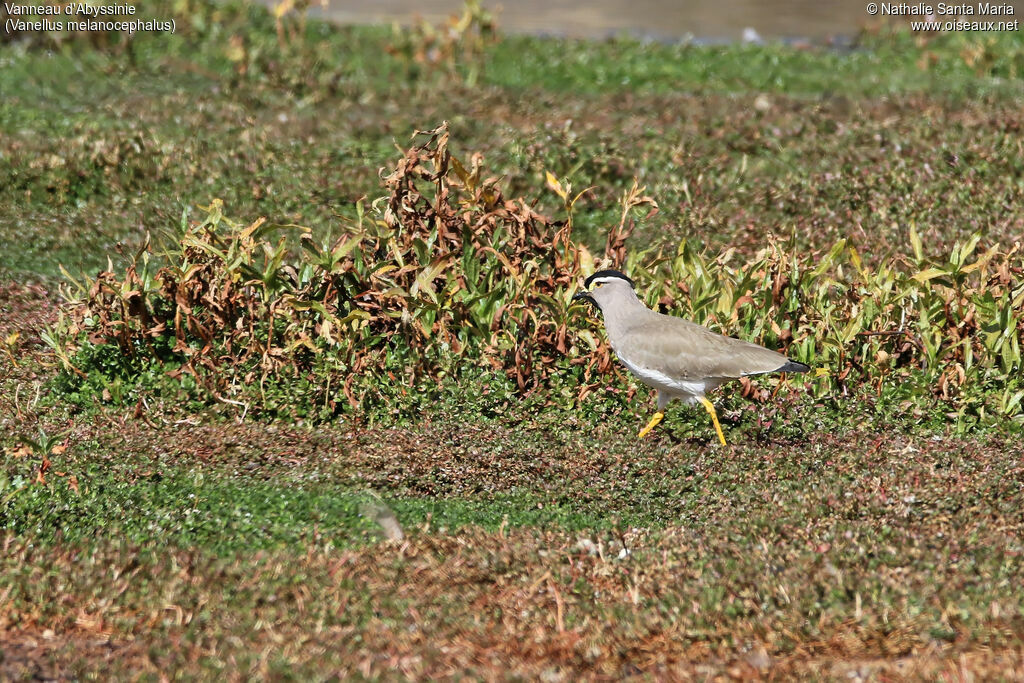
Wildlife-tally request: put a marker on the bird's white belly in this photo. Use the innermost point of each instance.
(688, 390)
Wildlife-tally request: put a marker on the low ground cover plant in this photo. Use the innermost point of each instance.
(408, 367)
(442, 273)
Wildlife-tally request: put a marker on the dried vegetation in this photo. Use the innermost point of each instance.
(443, 273)
(444, 270)
(847, 533)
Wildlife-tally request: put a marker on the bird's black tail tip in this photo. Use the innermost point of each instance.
(793, 366)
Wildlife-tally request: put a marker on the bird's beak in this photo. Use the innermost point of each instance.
(583, 296)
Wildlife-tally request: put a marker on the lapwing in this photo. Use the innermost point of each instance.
(679, 358)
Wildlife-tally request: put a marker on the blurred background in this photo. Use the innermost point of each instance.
(705, 20)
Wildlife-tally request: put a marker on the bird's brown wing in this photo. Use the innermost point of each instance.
(688, 351)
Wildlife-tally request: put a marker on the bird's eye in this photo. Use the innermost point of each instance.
(598, 285)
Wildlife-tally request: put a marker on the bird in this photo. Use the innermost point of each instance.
(679, 358)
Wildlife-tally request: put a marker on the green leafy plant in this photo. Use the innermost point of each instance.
(455, 47)
(444, 272)
(40, 449)
(443, 268)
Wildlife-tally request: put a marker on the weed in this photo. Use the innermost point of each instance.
(457, 46)
(540, 537)
(444, 272)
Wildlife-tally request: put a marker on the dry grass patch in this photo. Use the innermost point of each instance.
(519, 602)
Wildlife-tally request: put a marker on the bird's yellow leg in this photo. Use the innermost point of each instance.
(710, 407)
(651, 425)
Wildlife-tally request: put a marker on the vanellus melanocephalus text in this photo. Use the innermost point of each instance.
(679, 358)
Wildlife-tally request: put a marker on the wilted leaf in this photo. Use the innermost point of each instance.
(554, 185)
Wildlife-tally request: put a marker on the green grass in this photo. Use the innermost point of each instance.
(871, 533)
(225, 512)
(883, 65)
(526, 477)
(851, 545)
(103, 149)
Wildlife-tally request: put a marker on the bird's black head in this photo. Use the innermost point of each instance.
(608, 273)
(600, 276)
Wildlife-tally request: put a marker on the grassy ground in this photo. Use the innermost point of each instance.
(540, 539)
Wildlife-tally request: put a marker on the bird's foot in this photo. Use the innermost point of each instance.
(710, 407)
(651, 425)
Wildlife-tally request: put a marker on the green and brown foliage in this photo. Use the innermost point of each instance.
(444, 272)
(456, 47)
(848, 531)
(950, 330)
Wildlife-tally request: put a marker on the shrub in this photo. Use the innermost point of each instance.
(444, 275)
(442, 270)
(918, 330)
